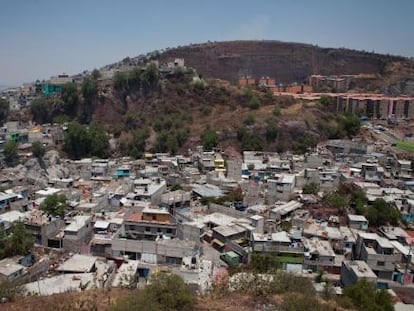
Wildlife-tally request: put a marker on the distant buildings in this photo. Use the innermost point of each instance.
(271, 84)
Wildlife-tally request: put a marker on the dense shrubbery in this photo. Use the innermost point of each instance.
(303, 143)
(19, 242)
(311, 188)
(4, 110)
(209, 139)
(55, 205)
(134, 146)
(82, 141)
(10, 150)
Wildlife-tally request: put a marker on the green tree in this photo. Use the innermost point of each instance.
(61, 119)
(276, 111)
(20, 241)
(134, 79)
(181, 135)
(249, 120)
(303, 143)
(365, 296)
(4, 110)
(382, 213)
(70, 98)
(10, 150)
(209, 139)
(55, 205)
(89, 92)
(271, 131)
(310, 188)
(38, 149)
(325, 100)
(135, 146)
(89, 89)
(99, 141)
(150, 78)
(77, 142)
(164, 293)
(96, 74)
(254, 103)
(252, 141)
(350, 124)
(336, 200)
(121, 81)
(40, 111)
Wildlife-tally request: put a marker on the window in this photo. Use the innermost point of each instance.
(381, 263)
(169, 230)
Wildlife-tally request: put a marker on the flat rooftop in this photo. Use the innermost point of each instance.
(357, 218)
(78, 223)
(78, 264)
(360, 269)
(60, 284)
(9, 266)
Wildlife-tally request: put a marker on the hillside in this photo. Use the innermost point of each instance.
(151, 110)
(176, 112)
(288, 62)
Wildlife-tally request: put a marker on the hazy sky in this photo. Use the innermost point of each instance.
(40, 38)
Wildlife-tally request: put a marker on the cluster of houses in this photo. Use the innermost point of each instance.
(22, 96)
(129, 218)
(270, 84)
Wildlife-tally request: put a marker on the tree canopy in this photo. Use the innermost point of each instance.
(311, 188)
(19, 242)
(40, 110)
(365, 296)
(70, 98)
(38, 149)
(55, 205)
(209, 139)
(382, 213)
(10, 150)
(4, 110)
(81, 141)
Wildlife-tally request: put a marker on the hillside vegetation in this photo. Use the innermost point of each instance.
(150, 110)
(292, 62)
(147, 111)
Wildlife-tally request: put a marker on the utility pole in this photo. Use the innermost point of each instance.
(410, 240)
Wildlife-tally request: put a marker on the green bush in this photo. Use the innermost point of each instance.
(276, 111)
(209, 139)
(249, 120)
(254, 103)
(38, 149)
(310, 188)
(365, 296)
(165, 293)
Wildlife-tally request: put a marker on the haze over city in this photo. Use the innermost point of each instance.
(44, 37)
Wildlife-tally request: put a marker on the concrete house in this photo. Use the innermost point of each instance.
(78, 233)
(358, 222)
(150, 224)
(353, 271)
(320, 255)
(284, 211)
(378, 253)
(45, 229)
(280, 188)
(10, 270)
